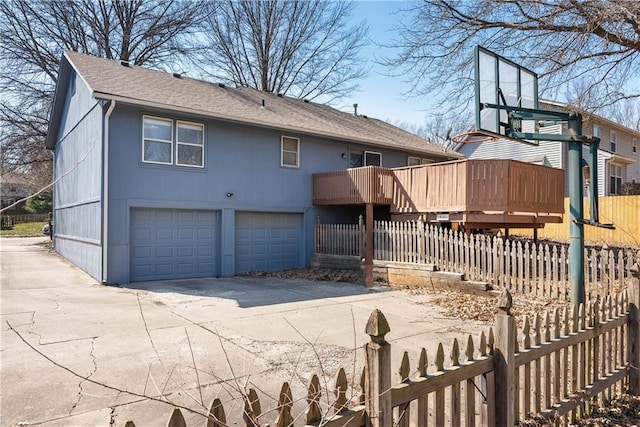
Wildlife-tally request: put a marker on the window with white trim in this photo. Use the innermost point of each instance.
(371, 158)
(613, 140)
(615, 178)
(157, 140)
(634, 145)
(413, 161)
(596, 131)
(189, 144)
(290, 152)
(416, 161)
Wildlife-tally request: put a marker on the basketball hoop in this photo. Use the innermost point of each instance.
(474, 137)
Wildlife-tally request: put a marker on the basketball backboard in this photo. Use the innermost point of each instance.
(500, 82)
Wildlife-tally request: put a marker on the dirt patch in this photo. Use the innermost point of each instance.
(623, 411)
(314, 273)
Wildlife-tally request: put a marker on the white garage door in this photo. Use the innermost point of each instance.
(267, 241)
(174, 244)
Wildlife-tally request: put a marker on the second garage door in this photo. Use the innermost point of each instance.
(174, 243)
(267, 241)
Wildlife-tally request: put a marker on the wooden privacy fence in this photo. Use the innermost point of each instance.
(558, 366)
(521, 266)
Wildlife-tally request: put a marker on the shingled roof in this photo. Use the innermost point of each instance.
(109, 79)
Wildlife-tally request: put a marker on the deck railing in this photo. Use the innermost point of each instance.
(479, 185)
(371, 184)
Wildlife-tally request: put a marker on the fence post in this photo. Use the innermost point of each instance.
(361, 237)
(504, 353)
(634, 330)
(378, 373)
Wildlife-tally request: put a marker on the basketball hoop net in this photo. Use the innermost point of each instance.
(473, 137)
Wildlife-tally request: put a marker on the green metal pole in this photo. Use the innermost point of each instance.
(576, 230)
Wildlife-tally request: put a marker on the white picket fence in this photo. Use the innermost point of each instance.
(521, 266)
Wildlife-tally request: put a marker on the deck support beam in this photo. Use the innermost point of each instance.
(368, 257)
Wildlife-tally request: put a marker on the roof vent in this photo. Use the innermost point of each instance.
(221, 85)
(355, 109)
(177, 75)
(364, 116)
(305, 100)
(263, 103)
(279, 95)
(125, 63)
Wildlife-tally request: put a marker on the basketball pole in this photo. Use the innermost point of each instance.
(576, 213)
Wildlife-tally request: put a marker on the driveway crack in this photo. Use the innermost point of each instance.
(32, 324)
(80, 384)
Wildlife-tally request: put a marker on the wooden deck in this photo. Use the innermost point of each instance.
(478, 193)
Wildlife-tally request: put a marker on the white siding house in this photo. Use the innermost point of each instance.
(618, 154)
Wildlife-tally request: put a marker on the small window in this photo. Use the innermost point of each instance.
(355, 160)
(290, 149)
(615, 178)
(190, 144)
(613, 139)
(634, 146)
(596, 131)
(372, 159)
(157, 140)
(413, 161)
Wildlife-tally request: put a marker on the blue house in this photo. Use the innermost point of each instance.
(160, 176)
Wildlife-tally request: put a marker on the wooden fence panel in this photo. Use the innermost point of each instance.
(622, 211)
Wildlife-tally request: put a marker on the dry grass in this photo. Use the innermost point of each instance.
(623, 411)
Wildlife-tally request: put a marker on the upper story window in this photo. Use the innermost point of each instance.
(368, 158)
(290, 152)
(634, 146)
(190, 144)
(415, 161)
(158, 138)
(372, 158)
(596, 131)
(615, 178)
(613, 139)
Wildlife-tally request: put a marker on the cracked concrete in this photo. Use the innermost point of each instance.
(185, 342)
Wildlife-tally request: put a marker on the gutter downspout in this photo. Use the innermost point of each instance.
(105, 192)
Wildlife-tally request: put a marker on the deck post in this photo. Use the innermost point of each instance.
(368, 257)
(377, 384)
(504, 353)
(576, 229)
(633, 345)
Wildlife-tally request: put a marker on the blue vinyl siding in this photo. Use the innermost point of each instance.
(77, 194)
(242, 161)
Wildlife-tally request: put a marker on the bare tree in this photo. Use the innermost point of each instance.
(441, 128)
(304, 49)
(595, 43)
(34, 35)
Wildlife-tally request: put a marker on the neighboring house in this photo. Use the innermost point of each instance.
(618, 154)
(12, 190)
(163, 177)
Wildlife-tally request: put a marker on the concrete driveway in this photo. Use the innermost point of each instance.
(76, 353)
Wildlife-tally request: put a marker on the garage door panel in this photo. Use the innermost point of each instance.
(164, 252)
(267, 241)
(174, 243)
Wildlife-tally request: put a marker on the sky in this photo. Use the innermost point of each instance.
(380, 95)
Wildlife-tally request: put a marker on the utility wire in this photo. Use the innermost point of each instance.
(52, 183)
